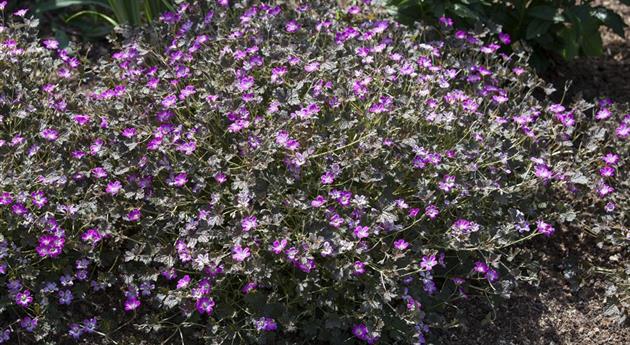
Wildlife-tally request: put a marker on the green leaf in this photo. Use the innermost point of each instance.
(126, 11)
(542, 12)
(570, 47)
(88, 29)
(464, 12)
(98, 14)
(592, 44)
(61, 37)
(537, 27)
(153, 8)
(610, 19)
(52, 5)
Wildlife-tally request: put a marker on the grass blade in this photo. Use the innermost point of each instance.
(107, 18)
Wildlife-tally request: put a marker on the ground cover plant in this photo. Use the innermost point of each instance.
(299, 172)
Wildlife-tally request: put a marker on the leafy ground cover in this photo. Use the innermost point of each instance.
(304, 172)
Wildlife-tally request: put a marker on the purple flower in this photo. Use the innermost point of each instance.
(359, 268)
(129, 132)
(603, 114)
(623, 131)
(5, 199)
(607, 171)
(556, 108)
(448, 183)
(312, 67)
(361, 332)
(328, 178)
(266, 324)
(132, 303)
(205, 305)
(611, 158)
(249, 287)
(39, 199)
(180, 180)
(220, 177)
(50, 246)
(186, 92)
(81, 119)
(89, 325)
(353, 10)
(431, 211)
(21, 12)
(239, 253)
(401, 244)
(277, 73)
(429, 286)
(292, 26)
(542, 171)
(19, 209)
(278, 246)
(544, 228)
(65, 297)
(458, 280)
(134, 215)
(169, 274)
(344, 198)
(113, 187)
(446, 21)
(183, 282)
(245, 83)
(24, 298)
(249, 223)
(361, 232)
(318, 201)
(28, 324)
(5, 335)
(50, 134)
(428, 262)
(480, 267)
(505, 38)
(187, 147)
(604, 189)
(464, 227)
(92, 236)
(169, 101)
(99, 172)
(492, 275)
(75, 331)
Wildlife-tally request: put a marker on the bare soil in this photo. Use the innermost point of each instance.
(606, 76)
(568, 307)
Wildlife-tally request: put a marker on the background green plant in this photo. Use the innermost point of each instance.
(552, 28)
(89, 19)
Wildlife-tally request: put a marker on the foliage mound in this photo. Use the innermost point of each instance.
(246, 172)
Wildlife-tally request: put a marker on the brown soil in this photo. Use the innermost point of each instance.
(607, 76)
(568, 307)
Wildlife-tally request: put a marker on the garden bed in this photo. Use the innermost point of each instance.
(218, 179)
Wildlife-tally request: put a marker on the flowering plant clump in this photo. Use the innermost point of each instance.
(266, 172)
